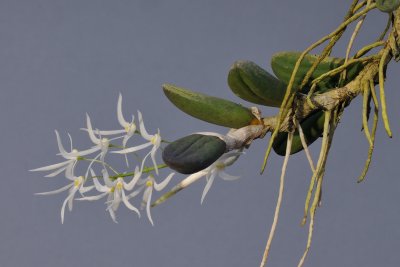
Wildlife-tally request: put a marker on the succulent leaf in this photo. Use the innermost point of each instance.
(283, 63)
(208, 108)
(193, 153)
(254, 84)
(313, 127)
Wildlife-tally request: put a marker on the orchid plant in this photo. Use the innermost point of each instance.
(311, 92)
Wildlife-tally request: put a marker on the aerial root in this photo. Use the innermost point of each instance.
(382, 92)
(279, 201)
(374, 127)
(320, 165)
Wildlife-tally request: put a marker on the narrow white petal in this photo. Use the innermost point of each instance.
(125, 140)
(89, 127)
(111, 132)
(112, 214)
(99, 187)
(207, 187)
(109, 200)
(226, 156)
(51, 167)
(103, 155)
(70, 203)
(143, 131)
(85, 189)
(60, 145)
(153, 158)
(120, 116)
(72, 192)
(229, 158)
(128, 204)
(69, 172)
(106, 177)
(62, 189)
(63, 207)
(116, 138)
(132, 127)
(90, 164)
(57, 172)
(192, 178)
(164, 183)
(89, 151)
(116, 201)
(146, 195)
(70, 142)
(106, 132)
(129, 186)
(93, 198)
(132, 149)
(227, 177)
(136, 192)
(148, 202)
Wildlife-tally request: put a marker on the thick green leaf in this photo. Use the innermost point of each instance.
(254, 84)
(313, 128)
(208, 108)
(283, 63)
(193, 153)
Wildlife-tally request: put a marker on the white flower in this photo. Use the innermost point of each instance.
(154, 140)
(150, 184)
(129, 128)
(115, 191)
(218, 169)
(215, 169)
(71, 159)
(102, 144)
(76, 185)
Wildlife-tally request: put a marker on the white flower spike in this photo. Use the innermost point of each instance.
(154, 140)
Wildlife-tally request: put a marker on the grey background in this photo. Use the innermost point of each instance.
(61, 59)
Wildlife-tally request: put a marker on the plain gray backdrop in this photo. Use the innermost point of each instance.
(61, 59)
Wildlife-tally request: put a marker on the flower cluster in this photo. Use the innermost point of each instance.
(120, 187)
